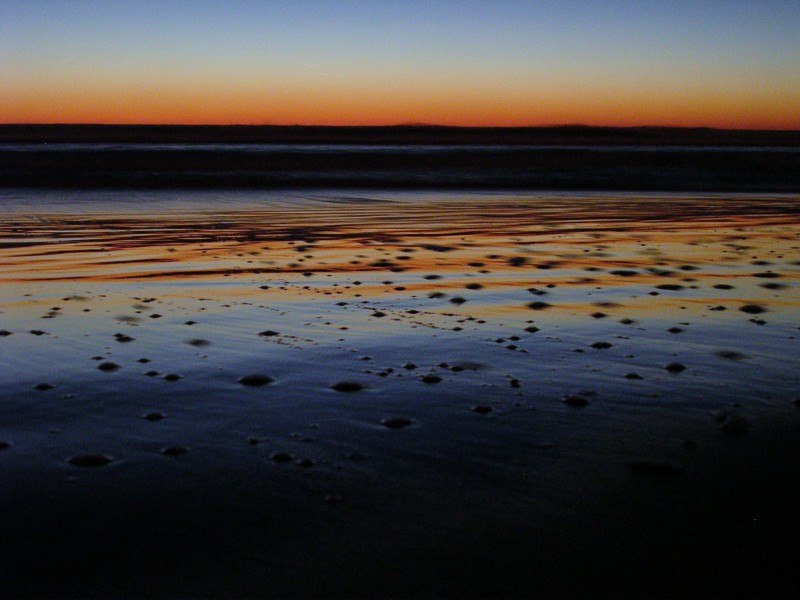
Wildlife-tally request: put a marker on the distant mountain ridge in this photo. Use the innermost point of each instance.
(404, 134)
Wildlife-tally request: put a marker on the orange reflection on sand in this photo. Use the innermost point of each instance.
(477, 249)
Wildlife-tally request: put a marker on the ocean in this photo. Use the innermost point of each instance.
(411, 166)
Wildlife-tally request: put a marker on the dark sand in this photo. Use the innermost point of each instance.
(310, 395)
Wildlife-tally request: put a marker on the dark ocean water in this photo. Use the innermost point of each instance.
(408, 149)
(426, 166)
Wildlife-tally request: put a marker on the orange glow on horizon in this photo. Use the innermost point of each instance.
(312, 62)
(454, 107)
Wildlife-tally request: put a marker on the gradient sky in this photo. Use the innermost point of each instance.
(695, 63)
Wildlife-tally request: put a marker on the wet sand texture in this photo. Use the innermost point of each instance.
(280, 398)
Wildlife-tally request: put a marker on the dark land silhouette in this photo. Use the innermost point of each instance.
(399, 134)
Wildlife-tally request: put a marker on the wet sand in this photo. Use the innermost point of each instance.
(385, 394)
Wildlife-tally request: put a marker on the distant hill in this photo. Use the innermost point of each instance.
(406, 134)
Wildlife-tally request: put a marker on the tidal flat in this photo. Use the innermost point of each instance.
(399, 394)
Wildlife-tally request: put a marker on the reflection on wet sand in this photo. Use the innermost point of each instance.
(511, 385)
(558, 235)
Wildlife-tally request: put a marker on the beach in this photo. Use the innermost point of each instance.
(351, 300)
(399, 393)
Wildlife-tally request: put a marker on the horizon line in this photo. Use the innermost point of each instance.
(410, 126)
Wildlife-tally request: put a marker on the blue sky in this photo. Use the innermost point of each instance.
(247, 61)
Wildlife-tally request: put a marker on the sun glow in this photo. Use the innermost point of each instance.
(517, 64)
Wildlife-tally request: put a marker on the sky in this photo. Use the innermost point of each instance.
(730, 64)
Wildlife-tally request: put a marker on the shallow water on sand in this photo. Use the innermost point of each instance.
(436, 305)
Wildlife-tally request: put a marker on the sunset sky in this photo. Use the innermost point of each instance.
(334, 62)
